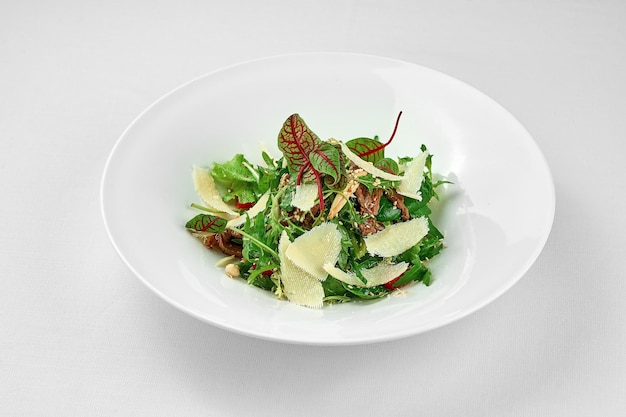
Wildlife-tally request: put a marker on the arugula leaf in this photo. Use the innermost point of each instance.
(333, 287)
(366, 261)
(387, 212)
(269, 161)
(415, 273)
(419, 208)
(372, 182)
(367, 293)
(255, 237)
(239, 178)
(432, 243)
(286, 200)
(262, 281)
(233, 170)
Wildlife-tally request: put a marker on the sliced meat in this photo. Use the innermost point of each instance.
(370, 226)
(223, 241)
(398, 201)
(369, 204)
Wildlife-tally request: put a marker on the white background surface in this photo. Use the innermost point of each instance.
(80, 335)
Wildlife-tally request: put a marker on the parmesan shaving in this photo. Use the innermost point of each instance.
(343, 276)
(383, 272)
(397, 238)
(300, 287)
(313, 249)
(413, 177)
(207, 190)
(379, 274)
(305, 196)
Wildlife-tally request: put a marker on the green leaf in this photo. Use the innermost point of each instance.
(372, 182)
(262, 281)
(411, 255)
(287, 198)
(241, 193)
(269, 161)
(367, 293)
(352, 246)
(365, 262)
(206, 223)
(239, 179)
(419, 208)
(327, 160)
(416, 208)
(415, 273)
(427, 278)
(333, 287)
(233, 170)
(432, 243)
(255, 229)
(387, 212)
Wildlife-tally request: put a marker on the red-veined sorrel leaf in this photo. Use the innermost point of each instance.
(297, 142)
(389, 165)
(327, 160)
(371, 150)
(207, 223)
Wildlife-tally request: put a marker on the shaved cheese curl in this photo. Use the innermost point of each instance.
(397, 238)
(300, 287)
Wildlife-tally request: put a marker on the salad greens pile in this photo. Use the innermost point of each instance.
(354, 187)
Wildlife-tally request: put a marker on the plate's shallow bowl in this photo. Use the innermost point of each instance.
(493, 234)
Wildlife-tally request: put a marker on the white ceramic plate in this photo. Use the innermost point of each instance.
(496, 217)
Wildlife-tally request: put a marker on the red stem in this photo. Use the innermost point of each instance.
(395, 128)
(383, 145)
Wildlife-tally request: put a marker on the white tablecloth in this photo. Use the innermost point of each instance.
(81, 336)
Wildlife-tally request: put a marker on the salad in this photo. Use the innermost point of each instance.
(326, 222)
